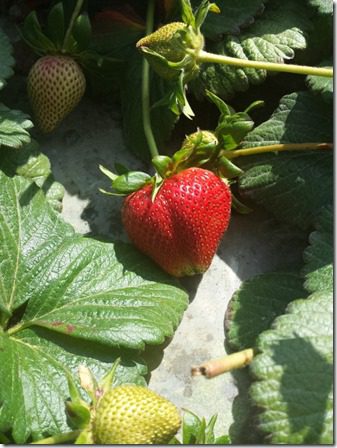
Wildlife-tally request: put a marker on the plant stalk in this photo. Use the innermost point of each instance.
(204, 56)
(59, 438)
(74, 16)
(216, 367)
(146, 87)
(277, 148)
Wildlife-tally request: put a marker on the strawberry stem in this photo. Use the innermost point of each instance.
(278, 148)
(74, 15)
(146, 88)
(215, 367)
(204, 56)
(59, 438)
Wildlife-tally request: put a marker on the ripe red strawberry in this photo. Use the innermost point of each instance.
(181, 229)
(55, 86)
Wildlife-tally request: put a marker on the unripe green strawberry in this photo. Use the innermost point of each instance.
(131, 414)
(200, 139)
(55, 86)
(161, 41)
(173, 42)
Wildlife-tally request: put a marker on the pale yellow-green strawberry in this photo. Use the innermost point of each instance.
(131, 414)
(55, 85)
(177, 43)
(161, 42)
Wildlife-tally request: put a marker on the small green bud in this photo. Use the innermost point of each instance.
(201, 140)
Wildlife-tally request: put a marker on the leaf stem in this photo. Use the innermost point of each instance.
(204, 56)
(59, 438)
(146, 87)
(215, 367)
(18, 327)
(74, 15)
(279, 147)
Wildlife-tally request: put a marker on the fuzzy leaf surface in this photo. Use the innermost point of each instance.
(243, 430)
(232, 16)
(323, 6)
(322, 85)
(257, 303)
(79, 286)
(30, 163)
(273, 37)
(319, 256)
(294, 374)
(14, 126)
(293, 185)
(6, 58)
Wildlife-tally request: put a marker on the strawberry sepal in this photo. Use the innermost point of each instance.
(126, 183)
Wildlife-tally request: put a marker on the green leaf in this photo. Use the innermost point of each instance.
(286, 125)
(35, 37)
(322, 85)
(35, 364)
(84, 288)
(30, 163)
(323, 6)
(294, 374)
(319, 256)
(6, 58)
(187, 15)
(273, 37)
(255, 305)
(196, 431)
(82, 32)
(13, 127)
(162, 119)
(191, 428)
(243, 430)
(55, 24)
(293, 185)
(232, 16)
(131, 181)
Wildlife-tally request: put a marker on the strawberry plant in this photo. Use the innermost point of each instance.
(226, 109)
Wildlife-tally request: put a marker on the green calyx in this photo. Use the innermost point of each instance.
(125, 182)
(58, 36)
(81, 414)
(62, 36)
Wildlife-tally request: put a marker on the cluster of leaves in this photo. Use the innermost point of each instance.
(287, 393)
(285, 396)
(196, 431)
